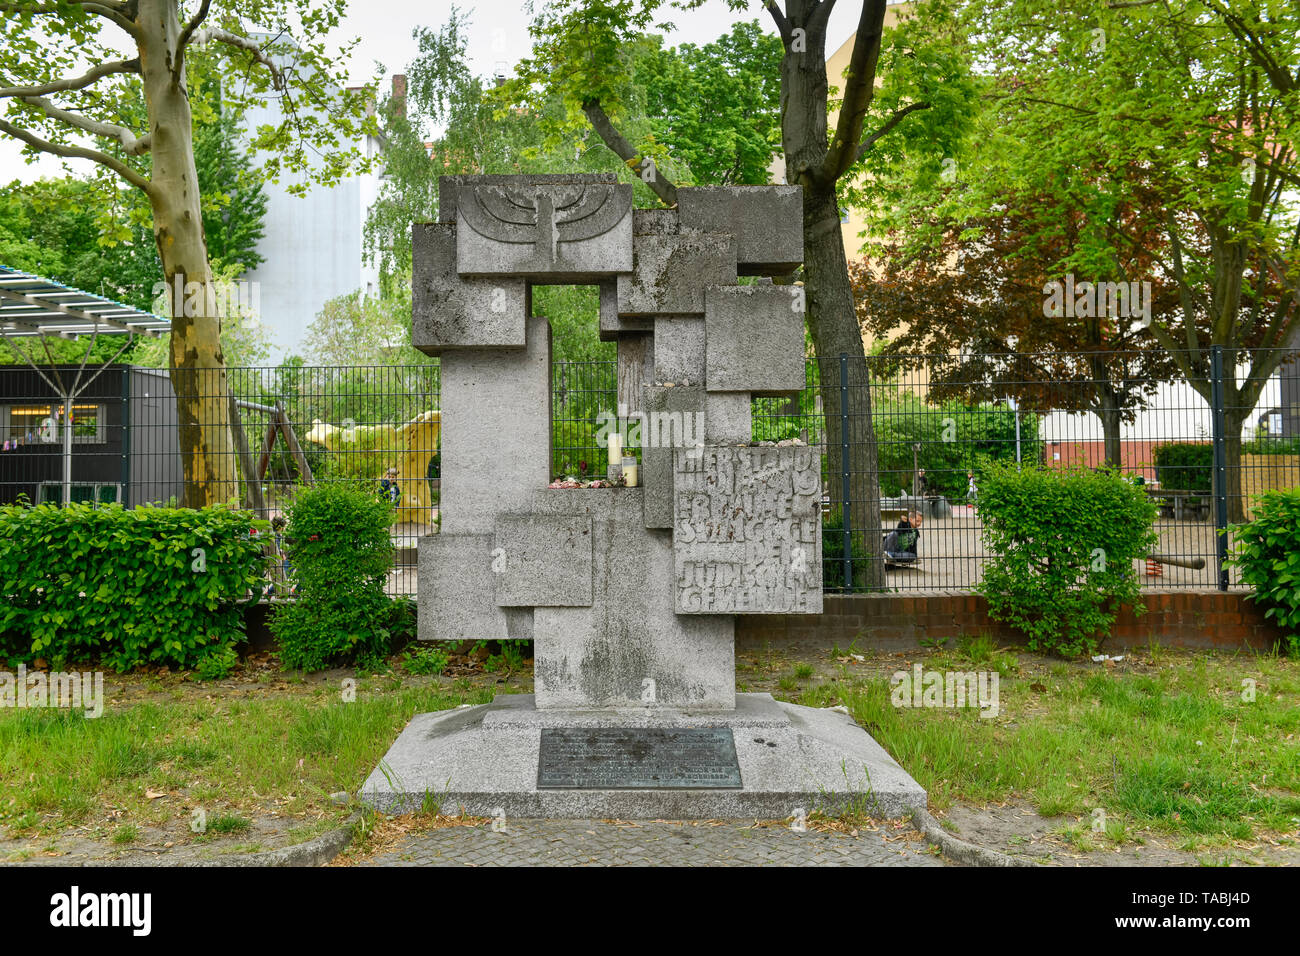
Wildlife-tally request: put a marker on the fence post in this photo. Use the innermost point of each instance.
(845, 510)
(125, 498)
(1220, 465)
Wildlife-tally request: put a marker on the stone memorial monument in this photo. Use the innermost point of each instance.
(629, 593)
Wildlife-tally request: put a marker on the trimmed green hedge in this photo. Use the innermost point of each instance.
(1268, 555)
(1184, 466)
(1266, 445)
(126, 587)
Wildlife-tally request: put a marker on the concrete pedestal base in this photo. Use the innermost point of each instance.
(483, 761)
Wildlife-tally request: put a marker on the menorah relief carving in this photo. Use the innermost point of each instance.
(549, 232)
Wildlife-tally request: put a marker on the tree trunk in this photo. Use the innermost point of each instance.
(834, 327)
(1108, 412)
(1233, 420)
(832, 320)
(197, 367)
(1109, 405)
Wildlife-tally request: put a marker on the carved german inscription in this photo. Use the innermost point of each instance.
(747, 530)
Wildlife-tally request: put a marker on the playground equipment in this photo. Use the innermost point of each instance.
(1196, 564)
(370, 450)
(254, 474)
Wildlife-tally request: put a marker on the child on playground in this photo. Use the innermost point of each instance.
(389, 489)
(282, 570)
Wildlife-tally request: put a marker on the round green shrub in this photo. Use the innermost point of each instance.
(1267, 553)
(1063, 546)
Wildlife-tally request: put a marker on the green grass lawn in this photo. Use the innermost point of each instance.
(153, 762)
(1163, 743)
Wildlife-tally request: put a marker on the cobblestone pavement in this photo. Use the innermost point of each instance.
(600, 843)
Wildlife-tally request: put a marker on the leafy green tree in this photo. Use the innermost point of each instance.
(1187, 107)
(716, 108)
(109, 81)
(970, 311)
(52, 228)
(679, 96)
(583, 56)
(234, 194)
(442, 94)
(49, 227)
(357, 330)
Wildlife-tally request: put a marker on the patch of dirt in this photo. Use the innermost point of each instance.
(1017, 830)
(172, 843)
(384, 834)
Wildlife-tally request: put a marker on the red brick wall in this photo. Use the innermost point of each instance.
(1194, 619)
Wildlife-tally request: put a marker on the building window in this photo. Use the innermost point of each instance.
(42, 423)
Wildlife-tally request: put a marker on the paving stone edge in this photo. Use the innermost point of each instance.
(959, 850)
(315, 852)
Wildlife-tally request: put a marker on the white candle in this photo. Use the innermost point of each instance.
(615, 449)
(629, 472)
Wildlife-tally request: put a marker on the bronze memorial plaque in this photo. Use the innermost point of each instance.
(638, 758)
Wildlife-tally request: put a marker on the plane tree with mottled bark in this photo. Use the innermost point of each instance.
(73, 76)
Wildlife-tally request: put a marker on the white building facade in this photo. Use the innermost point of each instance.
(312, 249)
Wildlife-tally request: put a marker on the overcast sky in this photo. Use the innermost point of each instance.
(498, 37)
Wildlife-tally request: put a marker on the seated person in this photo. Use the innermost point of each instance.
(901, 543)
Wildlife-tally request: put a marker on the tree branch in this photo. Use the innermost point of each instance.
(135, 145)
(860, 89)
(243, 43)
(76, 83)
(79, 152)
(782, 24)
(897, 117)
(635, 161)
(1259, 53)
(114, 10)
(30, 8)
(820, 16)
(183, 43)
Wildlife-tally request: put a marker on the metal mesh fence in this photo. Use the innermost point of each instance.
(1202, 446)
(583, 396)
(938, 422)
(377, 427)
